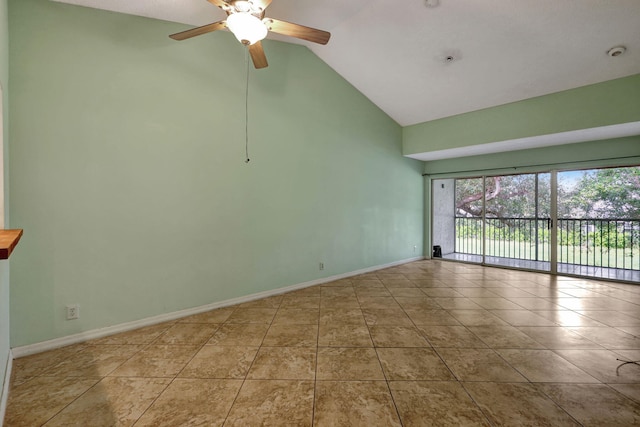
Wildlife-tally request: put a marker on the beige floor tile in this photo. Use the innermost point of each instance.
(477, 318)
(273, 403)
(113, 401)
(339, 302)
(388, 274)
(378, 303)
(372, 292)
(214, 316)
(545, 366)
(435, 403)
(504, 337)
(144, 335)
(474, 364)
(417, 303)
(37, 364)
(284, 335)
(495, 303)
(608, 337)
(94, 361)
(192, 402)
(557, 337)
(248, 334)
(413, 364)
(270, 302)
(522, 318)
(214, 361)
(429, 283)
(472, 293)
(284, 363)
(346, 316)
(187, 333)
(157, 361)
(451, 336)
(348, 282)
(397, 336)
(518, 404)
(512, 338)
(632, 330)
(348, 364)
(312, 291)
(512, 292)
(456, 303)
(567, 318)
(340, 335)
(297, 316)
(36, 401)
(412, 292)
(603, 365)
(334, 404)
(431, 317)
(632, 391)
(536, 303)
(594, 404)
(367, 283)
(390, 317)
(343, 291)
(398, 283)
(446, 292)
(253, 315)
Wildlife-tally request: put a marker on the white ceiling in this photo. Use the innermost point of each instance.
(393, 50)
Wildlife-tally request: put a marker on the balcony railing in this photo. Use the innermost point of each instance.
(611, 243)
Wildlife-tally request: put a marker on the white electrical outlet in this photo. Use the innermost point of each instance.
(73, 311)
(415, 247)
(321, 265)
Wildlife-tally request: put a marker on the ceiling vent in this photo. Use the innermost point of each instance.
(616, 51)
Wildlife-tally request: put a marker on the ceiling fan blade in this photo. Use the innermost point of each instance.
(297, 31)
(199, 30)
(257, 55)
(262, 4)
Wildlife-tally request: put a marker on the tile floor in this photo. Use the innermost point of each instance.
(426, 343)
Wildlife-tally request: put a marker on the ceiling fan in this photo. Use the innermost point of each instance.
(246, 20)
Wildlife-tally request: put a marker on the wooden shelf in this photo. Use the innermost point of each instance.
(8, 241)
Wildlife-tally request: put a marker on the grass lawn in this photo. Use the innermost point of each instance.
(597, 256)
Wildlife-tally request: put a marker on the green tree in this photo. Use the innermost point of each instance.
(508, 196)
(606, 193)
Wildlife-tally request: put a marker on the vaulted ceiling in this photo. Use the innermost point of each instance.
(420, 61)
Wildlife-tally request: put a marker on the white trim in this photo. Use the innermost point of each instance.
(4, 397)
(40, 347)
(548, 140)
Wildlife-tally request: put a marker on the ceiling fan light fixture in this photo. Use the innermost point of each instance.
(247, 28)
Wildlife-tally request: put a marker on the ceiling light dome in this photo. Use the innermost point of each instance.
(247, 28)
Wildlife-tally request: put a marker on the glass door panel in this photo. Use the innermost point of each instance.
(517, 221)
(599, 223)
(468, 219)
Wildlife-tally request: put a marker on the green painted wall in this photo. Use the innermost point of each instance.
(128, 174)
(4, 265)
(608, 103)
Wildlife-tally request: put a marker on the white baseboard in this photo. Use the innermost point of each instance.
(40, 347)
(4, 397)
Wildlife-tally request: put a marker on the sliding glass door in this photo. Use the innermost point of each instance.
(584, 222)
(599, 223)
(517, 221)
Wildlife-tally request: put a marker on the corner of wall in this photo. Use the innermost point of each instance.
(4, 392)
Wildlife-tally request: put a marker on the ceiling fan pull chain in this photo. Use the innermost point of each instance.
(246, 107)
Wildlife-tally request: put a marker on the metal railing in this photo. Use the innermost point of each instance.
(612, 243)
